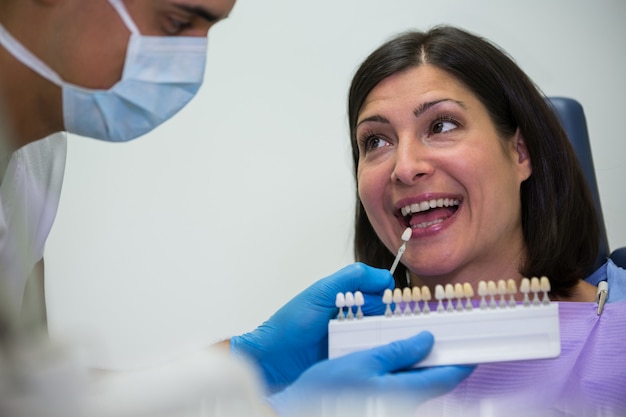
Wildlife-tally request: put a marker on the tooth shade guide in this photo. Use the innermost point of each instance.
(467, 337)
(407, 300)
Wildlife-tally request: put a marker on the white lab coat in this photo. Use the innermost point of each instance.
(29, 198)
(39, 377)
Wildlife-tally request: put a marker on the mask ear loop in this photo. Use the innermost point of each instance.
(121, 10)
(28, 58)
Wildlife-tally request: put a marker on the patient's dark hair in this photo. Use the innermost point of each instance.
(559, 221)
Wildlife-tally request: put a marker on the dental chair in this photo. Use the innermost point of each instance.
(572, 118)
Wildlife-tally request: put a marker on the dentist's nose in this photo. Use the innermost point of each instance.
(411, 163)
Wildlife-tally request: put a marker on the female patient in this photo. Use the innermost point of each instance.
(451, 138)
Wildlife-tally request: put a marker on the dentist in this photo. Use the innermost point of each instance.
(114, 70)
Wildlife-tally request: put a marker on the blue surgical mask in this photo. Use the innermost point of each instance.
(161, 75)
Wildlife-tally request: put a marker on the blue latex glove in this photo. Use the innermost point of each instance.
(348, 385)
(296, 337)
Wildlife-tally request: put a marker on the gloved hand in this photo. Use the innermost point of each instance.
(296, 336)
(377, 378)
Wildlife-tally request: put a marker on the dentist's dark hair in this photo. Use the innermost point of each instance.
(559, 221)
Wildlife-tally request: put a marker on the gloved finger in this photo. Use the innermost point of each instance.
(396, 356)
(373, 305)
(423, 383)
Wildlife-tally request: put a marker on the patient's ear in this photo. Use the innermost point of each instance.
(522, 156)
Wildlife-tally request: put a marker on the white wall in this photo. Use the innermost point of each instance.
(206, 226)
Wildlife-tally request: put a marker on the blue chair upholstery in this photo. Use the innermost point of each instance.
(572, 118)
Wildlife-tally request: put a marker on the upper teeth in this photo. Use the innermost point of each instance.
(427, 205)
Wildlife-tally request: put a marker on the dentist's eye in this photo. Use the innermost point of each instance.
(174, 25)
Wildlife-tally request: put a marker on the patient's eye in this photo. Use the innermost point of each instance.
(443, 124)
(370, 141)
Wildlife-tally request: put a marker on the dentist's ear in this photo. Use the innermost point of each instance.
(522, 156)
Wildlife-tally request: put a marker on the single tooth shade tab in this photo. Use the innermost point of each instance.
(502, 292)
(525, 289)
(534, 284)
(544, 283)
(397, 299)
(535, 288)
(349, 299)
(458, 290)
(440, 294)
(449, 296)
(482, 288)
(387, 299)
(468, 291)
(525, 286)
(482, 292)
(340, 303)
(406, 235)
(511, 288)
(359, 300)
(407, 297)
(459, 294)
(349, 304)
(416, 296)
(492, 288)
(387, 296)
(426, 296)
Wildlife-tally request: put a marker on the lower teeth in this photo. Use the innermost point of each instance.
(426, 224)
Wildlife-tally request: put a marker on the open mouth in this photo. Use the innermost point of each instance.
(428, 213)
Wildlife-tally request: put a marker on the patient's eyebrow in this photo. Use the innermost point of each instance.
(425, 106)
(419, 110)
(375, 118)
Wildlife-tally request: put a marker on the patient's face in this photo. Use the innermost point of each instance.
(426, 141)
